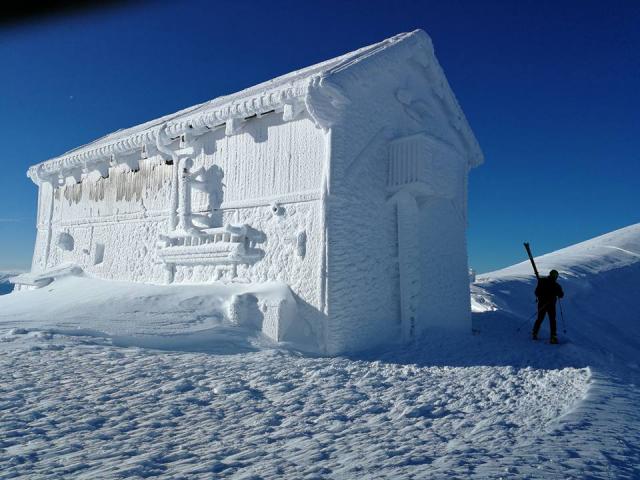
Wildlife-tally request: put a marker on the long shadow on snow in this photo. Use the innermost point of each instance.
(220, 340)
(495, 341)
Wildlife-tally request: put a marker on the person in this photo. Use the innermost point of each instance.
(547, 291)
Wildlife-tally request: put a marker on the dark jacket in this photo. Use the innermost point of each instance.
(548, 290)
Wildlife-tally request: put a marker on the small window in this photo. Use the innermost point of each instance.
(98, 256)
(65, 242)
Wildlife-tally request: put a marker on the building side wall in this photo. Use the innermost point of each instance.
(269, 164)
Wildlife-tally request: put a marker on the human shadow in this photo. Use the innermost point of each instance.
(496, 339)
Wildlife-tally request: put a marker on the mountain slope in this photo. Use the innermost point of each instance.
(601, 280)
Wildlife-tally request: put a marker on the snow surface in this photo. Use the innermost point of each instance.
(82, 395)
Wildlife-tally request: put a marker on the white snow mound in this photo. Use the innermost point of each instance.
(213, 318)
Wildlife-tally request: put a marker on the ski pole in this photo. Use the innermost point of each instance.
(537, 311)
(526, 322)
(564, 325)
(531, 317)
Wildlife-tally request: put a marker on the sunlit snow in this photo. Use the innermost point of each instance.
(150, 386)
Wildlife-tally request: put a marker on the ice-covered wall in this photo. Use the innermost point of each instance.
(109, 226)
(266, 174)
(374, 285)
(363, 295)
(271, 172)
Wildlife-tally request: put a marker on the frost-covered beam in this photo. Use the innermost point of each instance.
(256, 104)
(184, 195)
(292, 110)
(207, 117)
(70, 177)
(233, 126)
(126, 163)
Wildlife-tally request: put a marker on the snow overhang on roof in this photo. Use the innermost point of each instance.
(289, 93)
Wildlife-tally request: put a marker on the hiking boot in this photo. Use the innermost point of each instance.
(553, 340)
(534, 336)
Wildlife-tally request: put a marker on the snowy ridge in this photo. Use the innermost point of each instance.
(601, 282)
(617, 249)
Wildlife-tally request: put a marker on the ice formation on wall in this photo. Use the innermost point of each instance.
(346, 181)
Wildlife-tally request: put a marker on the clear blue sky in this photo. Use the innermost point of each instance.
(550, 88)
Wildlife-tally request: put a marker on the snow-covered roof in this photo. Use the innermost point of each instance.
(288, 89)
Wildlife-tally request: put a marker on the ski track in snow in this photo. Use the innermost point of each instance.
(77, 408)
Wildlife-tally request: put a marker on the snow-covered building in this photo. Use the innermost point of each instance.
(345, 183)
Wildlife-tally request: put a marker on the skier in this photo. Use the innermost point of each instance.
(547, 291)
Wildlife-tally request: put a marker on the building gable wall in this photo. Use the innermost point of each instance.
(392, 246)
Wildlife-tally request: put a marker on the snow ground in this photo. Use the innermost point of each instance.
(210, 401)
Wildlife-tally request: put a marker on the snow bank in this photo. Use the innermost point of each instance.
(216, 317)
(33, 280)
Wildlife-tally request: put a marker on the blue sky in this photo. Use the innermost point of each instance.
(550, 88)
